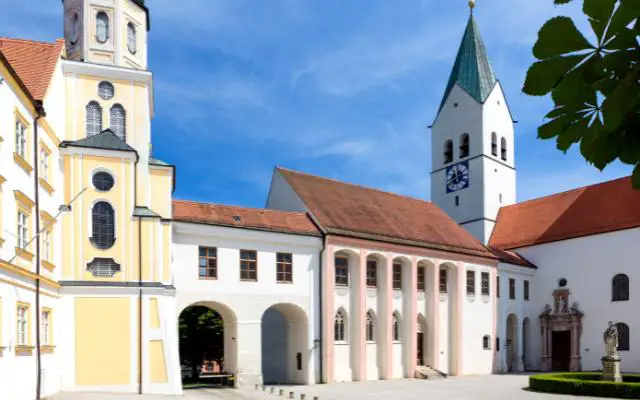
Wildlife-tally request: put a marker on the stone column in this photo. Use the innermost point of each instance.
(360, 291)
(410, 299)
(519, 347)
(459, 297)
(386, 318)
(328, 320)
(545, 343)
(575, 348)
(249, 350)
(433, 317)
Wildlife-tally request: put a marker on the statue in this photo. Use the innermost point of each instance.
(610, 337)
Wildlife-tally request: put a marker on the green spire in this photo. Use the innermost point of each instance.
(472, 71)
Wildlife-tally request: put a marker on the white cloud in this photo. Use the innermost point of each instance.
(349, 148)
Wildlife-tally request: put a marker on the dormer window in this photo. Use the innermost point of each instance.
(448, 151)
(102, 27)
(464, 145)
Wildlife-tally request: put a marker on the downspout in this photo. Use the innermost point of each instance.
(40, 113)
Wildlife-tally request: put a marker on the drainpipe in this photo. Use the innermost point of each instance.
(40, 113)
(320, 306)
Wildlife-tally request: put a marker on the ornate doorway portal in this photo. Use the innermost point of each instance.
(561, 331)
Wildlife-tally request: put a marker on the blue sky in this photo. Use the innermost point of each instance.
(341, 89)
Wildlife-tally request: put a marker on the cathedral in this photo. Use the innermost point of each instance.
(330, 282)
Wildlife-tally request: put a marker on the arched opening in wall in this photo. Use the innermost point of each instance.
(525, 344)
(285, 345)
(347, 360)
(401, 298)
(512, 343)
(421, 342)
(207, 342)
(448, 309)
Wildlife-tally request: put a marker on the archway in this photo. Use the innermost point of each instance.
(512, 343)
(207, 341)
(421, 341)
(285, 345)
(525, 344)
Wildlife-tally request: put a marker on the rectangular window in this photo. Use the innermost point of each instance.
(22, 327)
(21, 139)
(44, 164)
(45, 333)
(248, 265)
(342, 271)
(443, 281)
(46, 245)
(512, 289)
(372, 273)
(422, 274)
(208, 263)
(284, 267)
(23, 230)
(484, 282)
(526, 290)
(497, 286)
(471, 282)
(397, 276)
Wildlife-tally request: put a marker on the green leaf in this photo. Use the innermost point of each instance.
(625, 39)
(560, 2)
(543, 76)
(635, 178)
(627, 12)
(554, 127)
(573, 88)
(572, 135)
(557, 37)
(599, 12)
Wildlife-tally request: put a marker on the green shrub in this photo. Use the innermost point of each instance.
(586, 384)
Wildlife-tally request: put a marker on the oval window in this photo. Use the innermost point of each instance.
(106, 90)
(103, 181)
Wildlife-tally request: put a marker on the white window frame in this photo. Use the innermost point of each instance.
(23, 229)
(44, 164)
(22, 325)
(46, 245)
(45, 322)
(106, 27)
(21, 139)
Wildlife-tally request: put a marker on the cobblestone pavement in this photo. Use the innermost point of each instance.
(493, 387)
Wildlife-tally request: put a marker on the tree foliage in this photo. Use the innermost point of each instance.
(594, 86)
(201, 332)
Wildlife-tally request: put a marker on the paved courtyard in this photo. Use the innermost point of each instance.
(494, 387)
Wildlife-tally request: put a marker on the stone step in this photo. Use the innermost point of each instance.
(426, 372)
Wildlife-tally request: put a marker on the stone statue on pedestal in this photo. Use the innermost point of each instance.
(611, 361)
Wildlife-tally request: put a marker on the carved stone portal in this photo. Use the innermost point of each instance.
(561, 329)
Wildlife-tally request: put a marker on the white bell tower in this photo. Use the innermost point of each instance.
(472, 143)
(111, 32)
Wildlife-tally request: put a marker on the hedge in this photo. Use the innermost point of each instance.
(586, 384)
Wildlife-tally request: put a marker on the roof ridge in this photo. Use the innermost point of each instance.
(239, 207)
(565, 192)
(355, 185)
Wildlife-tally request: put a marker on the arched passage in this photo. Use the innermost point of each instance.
(512, 343)
(421, 356)
(285, 345)
(525, 343)
(207, 339)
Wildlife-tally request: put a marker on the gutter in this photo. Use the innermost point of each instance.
(40, 113)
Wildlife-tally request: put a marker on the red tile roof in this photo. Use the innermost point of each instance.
(240, 217)
(590, 210)
(345, 209)
(511, 257)
(34, 62)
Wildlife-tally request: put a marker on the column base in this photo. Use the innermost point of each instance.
(611, 369)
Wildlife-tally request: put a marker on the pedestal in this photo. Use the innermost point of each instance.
(611, 369)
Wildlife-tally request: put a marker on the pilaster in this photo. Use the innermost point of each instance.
(386, 319)
(328, 312)
(359, 317)
(433, 317)
(411, 319)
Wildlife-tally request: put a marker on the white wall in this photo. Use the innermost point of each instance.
(248, 301)
(589, 264)
(283, 197)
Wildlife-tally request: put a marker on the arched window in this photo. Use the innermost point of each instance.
(397, 276)
(93, 121)
(620, 288)
(486, 342)
(102, 27)
(396, 327)
(118, 120)
(464, 145)
(494, 144)
(342, 271)
(340, 326)
(623, 336)
(503, 149)
(132, 43)
(371, 327)
(448, 151)
(103, 224)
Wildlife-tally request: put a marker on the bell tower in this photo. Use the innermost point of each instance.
(472, 142)
(111, 32)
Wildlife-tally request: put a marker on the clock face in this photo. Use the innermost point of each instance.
(457, 177)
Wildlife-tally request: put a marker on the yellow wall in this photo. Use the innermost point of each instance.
(156, 357)
(154, 316)
(161, 186)
(103, 341)
(166, 250)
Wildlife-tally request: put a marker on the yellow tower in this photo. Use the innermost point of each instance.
(116, 275)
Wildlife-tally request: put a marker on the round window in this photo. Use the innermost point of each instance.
(103, 181)
(105, 90)
(562, 282)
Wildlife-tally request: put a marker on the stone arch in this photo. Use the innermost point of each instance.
(374, 275)
(229, 332)
(401, 271)
(422, 340)
(352, 260)
(285, 346)
(513, 352)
